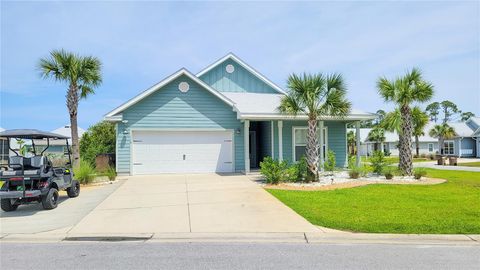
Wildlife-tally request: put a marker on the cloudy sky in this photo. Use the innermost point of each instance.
(141, 43)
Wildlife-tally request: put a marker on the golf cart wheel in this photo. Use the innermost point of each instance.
(74, 190)
(8, 206)
(50, 200)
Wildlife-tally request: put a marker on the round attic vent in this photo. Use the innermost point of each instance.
(230, 68)
(183, 87)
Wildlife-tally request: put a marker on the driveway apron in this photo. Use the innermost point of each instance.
(197, 203)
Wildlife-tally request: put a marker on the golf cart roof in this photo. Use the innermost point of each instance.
(30, 134)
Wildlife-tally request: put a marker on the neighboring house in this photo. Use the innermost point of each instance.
(465, 144)
(56, 146)
(223, 119)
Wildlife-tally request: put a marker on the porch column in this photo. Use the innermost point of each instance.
(460, 147)
(280, 141)
(322, 160)
(357, 134)
(246, 144)
(272, 131)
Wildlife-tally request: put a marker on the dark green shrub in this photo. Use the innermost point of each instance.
(418, 173)
(378, 162)
(298, 171)
(330, 163)
(274, 171)
(388, 172)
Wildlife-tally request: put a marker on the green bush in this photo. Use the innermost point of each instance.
(110, 173)
(357, 171)
(330, 163)
(298, 171)
(388, 172)
(418, 173)
(378, 162)
(352, 161)
(85, 172)
(99, 139)
(274, 171)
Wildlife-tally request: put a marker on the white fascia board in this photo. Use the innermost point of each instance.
(244, 65)
(114, 118)
(269, 116)
(159, 85)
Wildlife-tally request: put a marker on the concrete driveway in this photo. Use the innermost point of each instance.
(191, 203)
(33, 219)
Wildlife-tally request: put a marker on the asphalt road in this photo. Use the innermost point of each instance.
(154, 255)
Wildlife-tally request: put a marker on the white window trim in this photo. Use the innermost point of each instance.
(433, 148)
(305, 127)
(453, 147)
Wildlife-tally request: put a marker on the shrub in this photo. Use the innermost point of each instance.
(298, 171)
(99, 139)
(352, 160)
(357, 171)
(110, 173)
(274, 171)
(84, 172)
(329, 164)
(418, 173)
(388, 172)
(423, 155)
(387, 153)
(378, 162)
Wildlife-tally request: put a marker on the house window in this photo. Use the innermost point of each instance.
(4, 151)
(300, 142)
(448, 148)
(430, 147)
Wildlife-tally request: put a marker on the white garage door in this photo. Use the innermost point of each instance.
(182, 151)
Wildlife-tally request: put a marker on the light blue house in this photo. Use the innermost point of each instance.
(223, 119)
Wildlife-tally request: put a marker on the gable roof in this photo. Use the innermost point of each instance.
(245, 66)
(112, 115)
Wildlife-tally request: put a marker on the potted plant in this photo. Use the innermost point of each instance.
(388, 172)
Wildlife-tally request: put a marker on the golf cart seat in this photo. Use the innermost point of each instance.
(36, 165)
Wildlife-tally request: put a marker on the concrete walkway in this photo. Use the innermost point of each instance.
(192, 203)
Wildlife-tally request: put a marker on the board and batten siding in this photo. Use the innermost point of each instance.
(240, 80)
(336, 140)
(168, 108)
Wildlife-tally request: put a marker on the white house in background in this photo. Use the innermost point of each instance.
(465, 144)
(57, 146)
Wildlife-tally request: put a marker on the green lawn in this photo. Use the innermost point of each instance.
(470, 164)
(396, 159)
(448, 208)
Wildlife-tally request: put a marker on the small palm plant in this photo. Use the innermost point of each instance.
(403, 92)
(315, 96)
(82, 74)
(377, 135)
(442, 132)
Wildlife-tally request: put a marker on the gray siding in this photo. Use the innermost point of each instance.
(170, 108)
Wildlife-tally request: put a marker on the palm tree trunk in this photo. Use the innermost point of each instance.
(72, 105)
(440, 145)
(406, 166)
(312, 150)
(417, 145)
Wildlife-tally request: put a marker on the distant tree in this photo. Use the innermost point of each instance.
(352, 142)
(442, 132)
(433, 110)
(380, 114)
(82, 74)
(449, 109)
(99, 139)
(404, 91)
(466, 115)
(377, 136)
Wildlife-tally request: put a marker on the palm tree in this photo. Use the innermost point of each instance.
(404, 91)
(315, 96)
(420, 120)
(442, 132)
(376, 135)
(351, 141)
(82, 73)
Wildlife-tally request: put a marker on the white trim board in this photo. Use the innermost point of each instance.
(159, 85)
(244, 65)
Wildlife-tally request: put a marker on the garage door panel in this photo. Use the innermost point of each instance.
(178, 152)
